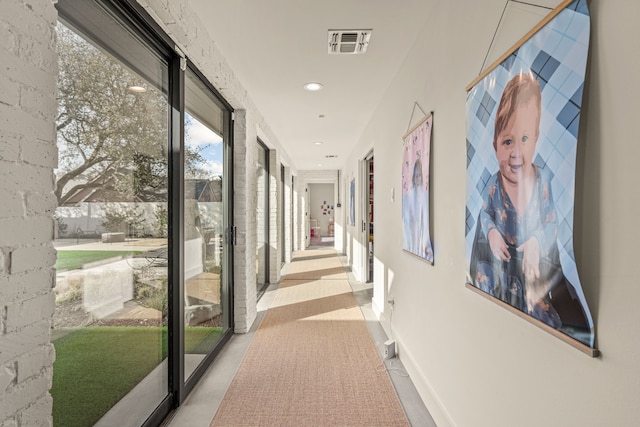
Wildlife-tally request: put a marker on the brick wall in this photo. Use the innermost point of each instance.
(288, 208)
(245, 199)
(296, 243)
(28, 155)
(274, 217)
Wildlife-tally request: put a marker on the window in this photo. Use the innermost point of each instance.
(206, 284)
(143, 294)
(110, 324)
(262, 217)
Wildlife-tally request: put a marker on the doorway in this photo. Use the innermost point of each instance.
(369, 218)
(321, 214)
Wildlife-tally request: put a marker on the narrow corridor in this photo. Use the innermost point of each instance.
(311, 361)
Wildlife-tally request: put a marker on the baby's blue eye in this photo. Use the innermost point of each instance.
(507, 142)
(525, 138)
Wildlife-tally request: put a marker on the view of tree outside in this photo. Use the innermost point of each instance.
(112, 283)
(110, 126)
(112, 268)
(112, 142)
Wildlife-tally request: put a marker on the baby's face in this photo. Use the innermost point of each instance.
(516, 144)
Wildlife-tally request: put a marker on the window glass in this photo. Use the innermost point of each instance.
(110, 323)
(205, 286)
(262, 217)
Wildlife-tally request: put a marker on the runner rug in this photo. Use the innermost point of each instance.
(312, 361)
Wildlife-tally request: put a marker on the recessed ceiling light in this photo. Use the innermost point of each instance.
(137, 89)
(320, 164)
(318, 143)
(313, 86)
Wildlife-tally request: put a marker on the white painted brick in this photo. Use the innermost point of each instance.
(14, 344)
(33, 18)
(28, 312)
(26, 231)
(40, 203)
(8, 36)
(8, 376)
(31, 258)
(9, 92)
(39, 413)
(40, 154)
(9, 147)
(39, 54)
(21, 70)
(22, 286)
(11, 205)
(37, 102)
(4, 266)
(10, 422)
(27, 159)
(43, 10)
(31, 178)
(34, 362)
(20, 397)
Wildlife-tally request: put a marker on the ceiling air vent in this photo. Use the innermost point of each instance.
(348, 41)
(331, 156)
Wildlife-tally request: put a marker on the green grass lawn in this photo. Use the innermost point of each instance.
(95, 367)
(72, 260)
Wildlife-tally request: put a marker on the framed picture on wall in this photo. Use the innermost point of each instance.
(523, 116)
(416, 152)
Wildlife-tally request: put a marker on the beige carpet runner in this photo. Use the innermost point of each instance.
(312, 361)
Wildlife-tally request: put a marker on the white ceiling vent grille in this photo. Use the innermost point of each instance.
(348, 41)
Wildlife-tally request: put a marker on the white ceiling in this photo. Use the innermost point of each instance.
(276, 46)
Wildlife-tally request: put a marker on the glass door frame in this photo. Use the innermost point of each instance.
(137, 21)
(283, 250)
(182, 386)
(267, 215)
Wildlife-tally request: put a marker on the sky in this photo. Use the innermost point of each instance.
(208, 142)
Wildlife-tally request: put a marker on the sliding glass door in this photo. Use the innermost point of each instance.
(206, 284)
(110, 323)
(262, 218)
(143, 275)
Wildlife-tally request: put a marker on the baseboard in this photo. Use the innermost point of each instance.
(425, 389)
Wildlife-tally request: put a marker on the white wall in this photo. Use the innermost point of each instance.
(27, 157)
(474, 363)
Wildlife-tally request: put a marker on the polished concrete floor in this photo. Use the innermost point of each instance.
(201, 405)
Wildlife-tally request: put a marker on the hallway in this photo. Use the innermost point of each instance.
(310, 340)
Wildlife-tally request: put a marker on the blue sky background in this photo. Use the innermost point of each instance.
(209, 144)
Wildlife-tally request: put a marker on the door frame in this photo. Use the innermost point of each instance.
(363, 231)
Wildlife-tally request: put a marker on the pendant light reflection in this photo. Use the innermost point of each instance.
(137, 89)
